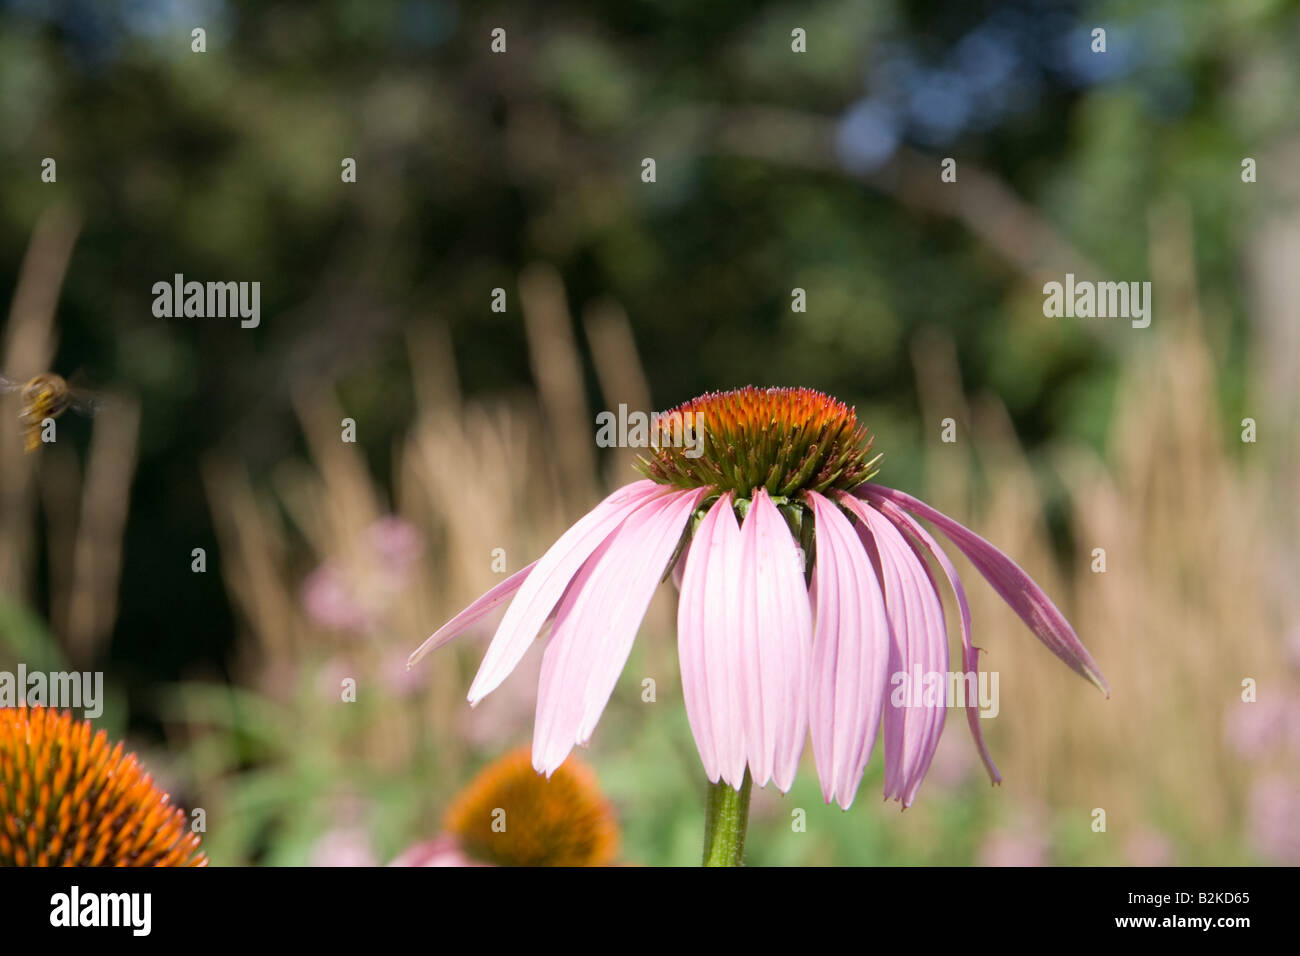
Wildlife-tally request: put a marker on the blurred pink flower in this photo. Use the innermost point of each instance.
(1023, 840)
(331, 675)
(343, 846)
(331, 603)
(1148, 847)
(1274, 819)
(395, 543)
(440, 851)
(1019, 847)
(1264, 727)
(356, 602)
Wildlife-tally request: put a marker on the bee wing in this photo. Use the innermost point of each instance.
(9, 384)
(86, 403)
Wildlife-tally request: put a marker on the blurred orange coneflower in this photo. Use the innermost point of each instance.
(510, 815)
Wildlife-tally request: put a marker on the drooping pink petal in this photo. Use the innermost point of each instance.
(776, 635)
(544, 587)
(912, 726)
(724, 654)
(631, 595)
(597, 622)
(467, 618)
(1010, 581)
(970, 653)
(709, 645)
(937, 666)
(892, 717)
(850, 654)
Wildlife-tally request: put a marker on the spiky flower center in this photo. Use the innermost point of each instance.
(785, 440)
(69, 799)
(510, 815)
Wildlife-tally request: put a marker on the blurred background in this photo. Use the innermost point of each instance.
(775, 170)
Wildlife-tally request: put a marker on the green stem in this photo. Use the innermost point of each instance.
(725, 821)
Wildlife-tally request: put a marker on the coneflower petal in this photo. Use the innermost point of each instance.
(912, 730)
(850, 654)
(724, 656)
(467, 618)
(597, 622)
(776, 635)
(543, 588)
(933, 668)
(970, 653)
(708, 643)
(892, 588)
(1009, 580)
(631, 596)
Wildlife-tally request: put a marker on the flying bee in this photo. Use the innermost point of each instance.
(47, 396)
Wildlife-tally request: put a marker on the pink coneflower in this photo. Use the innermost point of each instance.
(804, 587)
